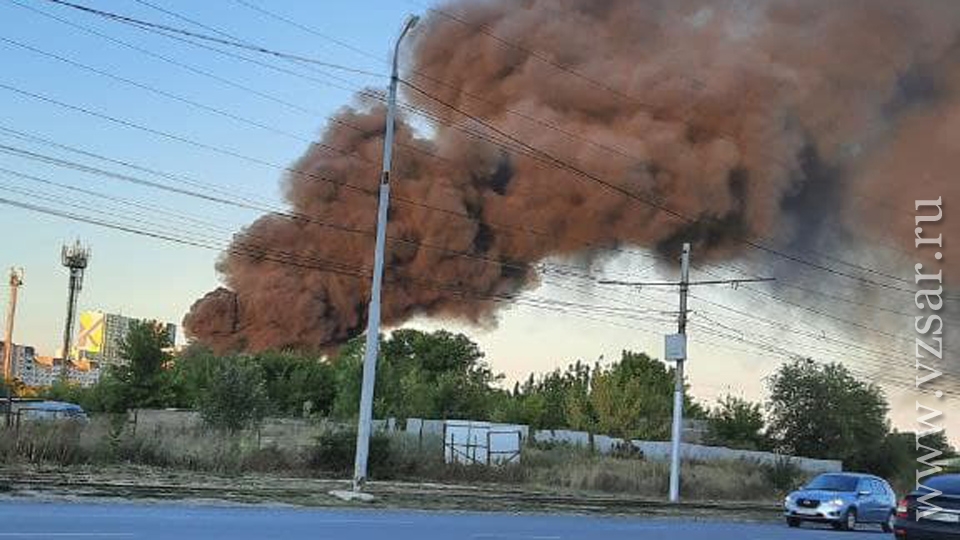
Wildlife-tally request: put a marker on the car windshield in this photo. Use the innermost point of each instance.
(834, 482)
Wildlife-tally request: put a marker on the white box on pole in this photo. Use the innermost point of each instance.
(675, 347)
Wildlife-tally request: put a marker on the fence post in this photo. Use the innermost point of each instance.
(488, 448)
(453, 445)
(519, 447)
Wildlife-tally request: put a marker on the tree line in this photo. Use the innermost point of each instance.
(812, 409)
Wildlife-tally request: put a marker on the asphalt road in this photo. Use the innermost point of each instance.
(187, 522)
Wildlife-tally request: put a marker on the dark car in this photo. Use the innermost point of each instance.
(50, 410)
(938, 518)
(843, 500)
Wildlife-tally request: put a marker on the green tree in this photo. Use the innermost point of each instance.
(559, 399)
(419, 374)
(236, 396)
(297, 384)
(823, 411)
(192, 371)
(736, 423)
(634, 398)
(143, 381)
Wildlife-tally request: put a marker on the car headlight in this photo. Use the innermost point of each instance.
(788, 500)
(835, 502)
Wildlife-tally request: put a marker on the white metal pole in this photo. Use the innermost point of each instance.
(678, 388)
(373, 318)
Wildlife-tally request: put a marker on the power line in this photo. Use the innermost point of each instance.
(419, 73)
(500, 227)
(139, 23)
(246, 250)
(177, 138)
(540, 122)
(326, 266)
(361, 91)
(553, 159)
(181, 99)
(807, 308)
(305, 28)
(223, 80)
(210, 198)
(310, 30)
(294, 216)
(656, 204)
(553, 268)
(875, 359)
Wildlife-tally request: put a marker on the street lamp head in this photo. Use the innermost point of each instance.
(412, 21)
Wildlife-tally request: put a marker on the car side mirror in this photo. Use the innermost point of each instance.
(864, 493)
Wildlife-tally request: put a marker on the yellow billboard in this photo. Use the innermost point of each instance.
(90, 338)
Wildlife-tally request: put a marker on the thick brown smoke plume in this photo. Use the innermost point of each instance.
(799, 124)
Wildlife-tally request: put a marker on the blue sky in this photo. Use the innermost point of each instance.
(149, 278)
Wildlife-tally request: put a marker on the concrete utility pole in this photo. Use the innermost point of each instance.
(16, 280)
(676, 351)
(678, 390)
(373, 318)
(74, 258)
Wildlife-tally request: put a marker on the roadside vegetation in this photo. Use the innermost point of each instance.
(813, 410)
(108, 440)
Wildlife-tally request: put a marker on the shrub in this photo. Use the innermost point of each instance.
(235, 397)
(736, 423)
(784, 475)
(336, 449)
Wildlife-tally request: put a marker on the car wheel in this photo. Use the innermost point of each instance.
(887, 525)
(849, 520)
(793, 522)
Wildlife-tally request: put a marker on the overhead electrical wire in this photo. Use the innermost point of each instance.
(409, 202)
(213, 39)
(556, 161)
(566, 270)
(306, 262)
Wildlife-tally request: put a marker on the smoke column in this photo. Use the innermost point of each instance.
(801, 125)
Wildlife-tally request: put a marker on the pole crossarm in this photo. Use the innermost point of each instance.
(692, 283)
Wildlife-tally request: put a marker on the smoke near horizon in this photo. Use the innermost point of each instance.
(806, 126)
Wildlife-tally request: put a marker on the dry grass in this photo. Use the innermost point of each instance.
(578, 469)
(110, 440)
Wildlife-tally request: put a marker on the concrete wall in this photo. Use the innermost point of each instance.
(164, 420)
(660, 451)
(299, 433)
(281, 432)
